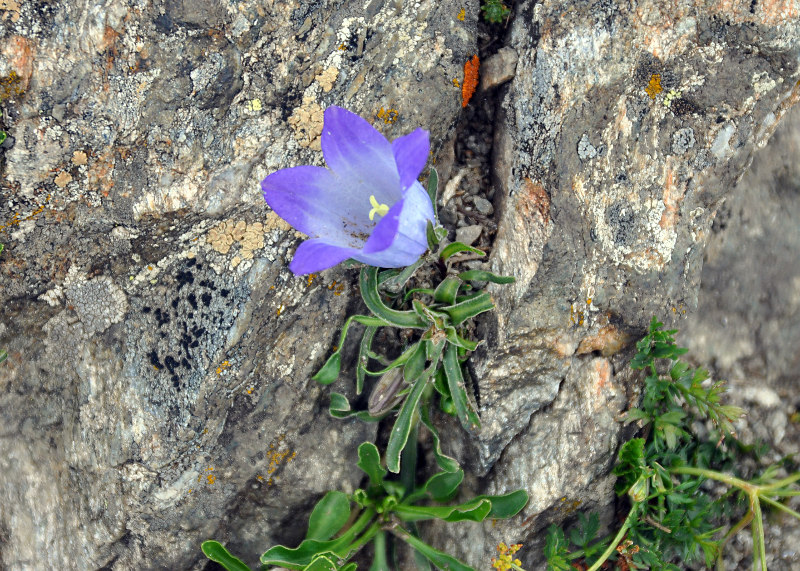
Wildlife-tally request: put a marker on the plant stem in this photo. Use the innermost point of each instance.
(617, 539)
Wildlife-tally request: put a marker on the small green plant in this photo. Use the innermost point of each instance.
(672, 516)
(427, 368)
(341, 525)
(494, 11)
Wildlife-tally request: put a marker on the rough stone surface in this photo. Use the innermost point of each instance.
(604, 222)
(157, 389)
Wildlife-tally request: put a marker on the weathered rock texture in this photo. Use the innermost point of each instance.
(157, 390)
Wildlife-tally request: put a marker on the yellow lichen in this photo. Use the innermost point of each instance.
(461, 14)
(654, 86)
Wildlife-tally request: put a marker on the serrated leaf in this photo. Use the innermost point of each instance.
(328, 516)
(216, 552)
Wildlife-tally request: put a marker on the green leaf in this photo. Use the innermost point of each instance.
(322, 562)
(364, 349)
(433, 189)
(443, 486)
(379, 560)
(402, 426)
(430, 233)
(368, 281)
(340, 408)
(458, 247)
(329, 516)
(447, 290)
(415, 365)
(456, 339)
(3, 136)
(330, 370)
(506, 505)
(476, 509)
(444, 462)
(441, 560)
(483, 276)
(455, 382)
(555, 550)
(216, 552)
(460, 312)
(369, 460)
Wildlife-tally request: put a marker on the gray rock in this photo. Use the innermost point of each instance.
(483, 206)
(469, 234)
(498, 68)
(157, 391)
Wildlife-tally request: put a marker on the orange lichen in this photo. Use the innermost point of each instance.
(654, 86)
(470, 82)
(389, 116)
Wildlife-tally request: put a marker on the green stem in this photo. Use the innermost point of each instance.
(718, 476)
(617, 539)
(780, 506)
(362, 522)
(365, 538)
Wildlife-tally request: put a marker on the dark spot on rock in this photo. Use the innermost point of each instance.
(154, 360)
(620, 217)
(184, 278)
(192, 299)
(206, 297)
(224, 292)
(175, 303)
(146, 309)
(171, 363)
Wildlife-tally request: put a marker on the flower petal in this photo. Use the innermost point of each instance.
(360, 156)
(411, 155)
(409, 241)
(385, 231)
(314, 201)
(316, 255)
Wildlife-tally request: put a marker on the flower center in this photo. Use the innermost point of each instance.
(379, 209)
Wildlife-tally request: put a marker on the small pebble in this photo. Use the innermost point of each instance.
(483, 206)
(468, 234)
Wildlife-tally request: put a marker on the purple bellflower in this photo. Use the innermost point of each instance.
(367, 205)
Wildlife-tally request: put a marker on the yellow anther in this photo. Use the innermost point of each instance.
(379, 209)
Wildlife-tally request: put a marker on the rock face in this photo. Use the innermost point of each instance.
(157, 389)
